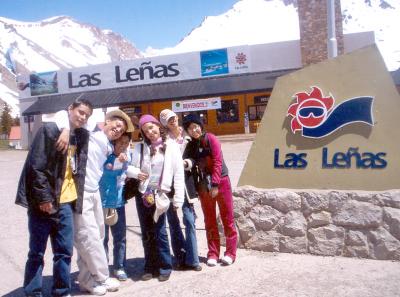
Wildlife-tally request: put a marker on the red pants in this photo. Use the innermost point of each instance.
(225, 204)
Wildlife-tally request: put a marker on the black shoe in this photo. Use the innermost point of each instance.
(197, 268)
(180, 267)
(194, 268)
(146, 277)
(163, 277)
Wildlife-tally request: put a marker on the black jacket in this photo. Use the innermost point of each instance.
(44, 169)
(201, 154)
(189, 178)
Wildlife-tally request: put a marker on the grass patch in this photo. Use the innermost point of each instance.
(4, 144)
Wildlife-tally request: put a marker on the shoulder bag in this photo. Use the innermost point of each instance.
(131, 187)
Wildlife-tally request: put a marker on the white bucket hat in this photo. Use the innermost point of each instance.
(162, 205)
(165, 115)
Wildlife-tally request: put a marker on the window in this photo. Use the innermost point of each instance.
(256, 112)
(134, 112)
(229, 112)
(262, 99)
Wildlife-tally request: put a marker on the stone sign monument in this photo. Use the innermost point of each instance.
(330, 135)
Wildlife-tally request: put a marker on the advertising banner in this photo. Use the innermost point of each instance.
(142, 71)
(198, 104)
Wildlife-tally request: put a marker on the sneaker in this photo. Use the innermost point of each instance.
(226, 260)
(163, 277)
(111, 284)
(95, 289)
(120, 274)
(212, 262)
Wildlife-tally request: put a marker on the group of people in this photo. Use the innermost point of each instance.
(72, 178)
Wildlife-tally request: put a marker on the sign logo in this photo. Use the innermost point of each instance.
(43, 83)
(241, 58)
(316, 117)
(214, 62)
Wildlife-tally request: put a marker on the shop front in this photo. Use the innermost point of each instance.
(242, 77)
(221, 115)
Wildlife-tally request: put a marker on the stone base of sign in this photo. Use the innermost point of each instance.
(319, 222)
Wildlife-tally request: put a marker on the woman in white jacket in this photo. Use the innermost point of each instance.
(184, 247)
(157, 163)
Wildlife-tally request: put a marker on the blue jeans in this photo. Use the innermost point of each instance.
(59, 227)
(185, 250)
(118, 232)
(157, 255)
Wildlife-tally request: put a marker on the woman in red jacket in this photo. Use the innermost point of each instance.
(214, 187)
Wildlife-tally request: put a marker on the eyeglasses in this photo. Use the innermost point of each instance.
(194, 127)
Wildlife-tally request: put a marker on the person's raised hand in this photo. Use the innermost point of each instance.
(123, 157)
(142, 176)
(63, 141)
(214, 192)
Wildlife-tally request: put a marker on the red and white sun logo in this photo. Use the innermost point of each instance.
(241, 58)
(310, 109)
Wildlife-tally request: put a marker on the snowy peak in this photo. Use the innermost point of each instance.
(266, 21)
(55, 43)
(67, 43)
(380, 16)
(248, 22)
(62, 42)
(57, 19)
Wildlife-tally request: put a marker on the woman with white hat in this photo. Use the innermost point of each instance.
(184, 247)
(157, 163)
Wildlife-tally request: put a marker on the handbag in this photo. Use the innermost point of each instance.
(205, 183)
(110, 216)
(149, 198)
(131, 187)
(202, 180)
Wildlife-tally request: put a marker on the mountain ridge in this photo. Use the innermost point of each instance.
(68, 43)
(77, 44)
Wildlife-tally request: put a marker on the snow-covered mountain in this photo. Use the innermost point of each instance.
(55, 43)
(265, 21)
(62, 42)
(247, 22)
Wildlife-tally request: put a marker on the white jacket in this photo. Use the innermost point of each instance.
(173, 174)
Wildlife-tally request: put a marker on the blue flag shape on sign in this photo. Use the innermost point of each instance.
(351, 111)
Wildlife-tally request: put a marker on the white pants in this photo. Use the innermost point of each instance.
(88, 240)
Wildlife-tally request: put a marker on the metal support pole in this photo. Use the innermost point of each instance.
(332, 42)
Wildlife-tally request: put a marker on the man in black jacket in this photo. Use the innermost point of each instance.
(51, 187)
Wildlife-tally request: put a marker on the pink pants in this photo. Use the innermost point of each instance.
(225, 204)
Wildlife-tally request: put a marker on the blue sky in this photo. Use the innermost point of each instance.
(156, 23)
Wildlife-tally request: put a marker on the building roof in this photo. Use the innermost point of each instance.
(189, 89)
(15, 133)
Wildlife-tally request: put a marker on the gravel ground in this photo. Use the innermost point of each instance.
(253, 274)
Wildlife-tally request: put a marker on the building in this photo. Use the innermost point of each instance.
(239, 80)
(15, 137)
